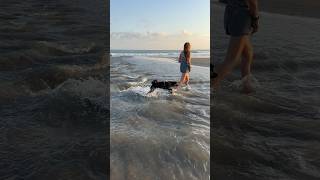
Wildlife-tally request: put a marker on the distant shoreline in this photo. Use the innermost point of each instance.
(204, 62)
(301, 8)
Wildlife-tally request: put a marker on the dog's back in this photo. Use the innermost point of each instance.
(163, 85)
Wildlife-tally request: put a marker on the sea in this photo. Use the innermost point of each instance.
(173, 54)
(158, 135)
(53, 87)
(273, 133)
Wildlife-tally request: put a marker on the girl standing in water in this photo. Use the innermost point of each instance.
(185, 64)
(241, 20)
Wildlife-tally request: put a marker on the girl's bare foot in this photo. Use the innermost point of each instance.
(247, 88)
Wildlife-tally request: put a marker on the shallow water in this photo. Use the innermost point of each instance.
(53, 82)
(159, 53)
(274, 132)
(159, 135)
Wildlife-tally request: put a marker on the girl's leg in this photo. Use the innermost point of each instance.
(187, 78)
(182, 79)
(235, 49)
(247, 58)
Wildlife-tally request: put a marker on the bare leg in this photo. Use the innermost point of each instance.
(187, 78)
(236, 46)
(182, 79)
(247, 58)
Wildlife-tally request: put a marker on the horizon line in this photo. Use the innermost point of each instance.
(159, 49)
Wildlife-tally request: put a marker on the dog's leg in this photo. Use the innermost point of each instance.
(151, 90)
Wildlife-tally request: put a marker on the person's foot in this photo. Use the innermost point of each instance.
(188, 87)
(247, 88)
(179, 86)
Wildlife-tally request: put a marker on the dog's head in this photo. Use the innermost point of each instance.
(154, 82)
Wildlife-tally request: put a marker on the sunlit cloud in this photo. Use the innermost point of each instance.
(125, 35)
(138, 35)
(148, 35)
(159, 40)
(186, 33)
(159, 25)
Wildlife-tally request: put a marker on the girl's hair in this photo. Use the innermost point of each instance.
(185, 50)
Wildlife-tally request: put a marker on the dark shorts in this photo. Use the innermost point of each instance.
(237, 21)
(184, 68)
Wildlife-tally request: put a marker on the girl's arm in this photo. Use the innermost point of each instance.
(254, 12)
(253, 7)
(180, 58)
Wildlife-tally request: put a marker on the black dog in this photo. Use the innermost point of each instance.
(163, 85)
(214, 75)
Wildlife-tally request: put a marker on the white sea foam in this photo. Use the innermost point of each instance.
(159, 127)
(276, 124)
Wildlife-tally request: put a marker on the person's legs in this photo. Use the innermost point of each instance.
(182, 79)
(247, 58)
(235, 49)
(187, 78)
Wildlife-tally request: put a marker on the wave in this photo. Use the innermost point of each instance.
(43, 79)
(72, 116)
(53, 126)
(83, 100)
(158, 53)
(173, 129)
(58, 49)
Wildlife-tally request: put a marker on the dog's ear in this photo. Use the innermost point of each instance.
(154, 81)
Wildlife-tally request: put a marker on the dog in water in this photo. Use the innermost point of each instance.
(168, 85)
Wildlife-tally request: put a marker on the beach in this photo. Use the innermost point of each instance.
(205, 62)
(305, 8)
(158, 135)
(272, 133)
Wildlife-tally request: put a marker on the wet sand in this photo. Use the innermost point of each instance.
(272, 133)
(306, 8)
(204, 62)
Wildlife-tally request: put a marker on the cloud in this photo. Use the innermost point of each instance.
(138, 35)
(125, 35)
(156, 34)
(148, 35)
(186, 33)
(159, 40)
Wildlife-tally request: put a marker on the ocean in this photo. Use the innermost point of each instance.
(53, 84)
(158, 135)
(274, 132)
(54, 110)
(159, 53)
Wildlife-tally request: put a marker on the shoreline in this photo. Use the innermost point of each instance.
(203, 62)
(305, 8)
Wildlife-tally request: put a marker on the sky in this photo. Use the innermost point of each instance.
(159, 24)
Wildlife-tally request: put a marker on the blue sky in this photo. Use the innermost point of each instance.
(159, 24)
